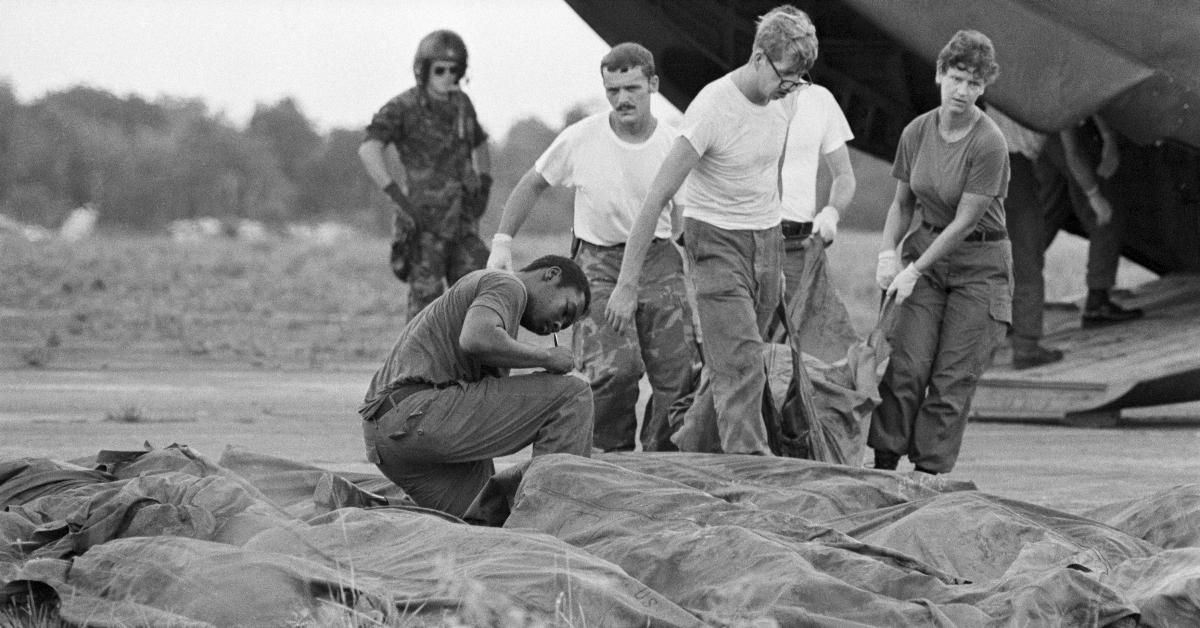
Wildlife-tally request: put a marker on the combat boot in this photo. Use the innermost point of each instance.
(1027, 353)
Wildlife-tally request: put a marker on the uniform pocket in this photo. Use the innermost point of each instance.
(1000, 302)
(405, 419)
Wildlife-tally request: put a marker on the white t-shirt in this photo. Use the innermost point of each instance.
(818, 128)
(735, 183)
(611, 177)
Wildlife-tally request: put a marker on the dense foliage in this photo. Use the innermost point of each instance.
(145, 164)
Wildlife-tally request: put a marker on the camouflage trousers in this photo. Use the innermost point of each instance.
(817, 312)
(444, 246)
(663, 346)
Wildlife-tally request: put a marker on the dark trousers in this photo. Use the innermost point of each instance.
(943, 339)
(438, 444)
(1043, 199)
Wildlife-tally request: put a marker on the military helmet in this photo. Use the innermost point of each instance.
(440, 45)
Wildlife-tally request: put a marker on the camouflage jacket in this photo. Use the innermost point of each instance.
(434, 139)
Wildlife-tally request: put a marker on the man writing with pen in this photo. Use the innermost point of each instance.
(443, 404)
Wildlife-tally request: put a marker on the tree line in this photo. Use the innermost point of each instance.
(144, 164)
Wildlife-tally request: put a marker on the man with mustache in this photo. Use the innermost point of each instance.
(443, 405)
(609, 159)
(445, 184)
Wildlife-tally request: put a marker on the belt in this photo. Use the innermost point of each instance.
(974, 236)
(619, 245)
(402, 392)
(792, 229)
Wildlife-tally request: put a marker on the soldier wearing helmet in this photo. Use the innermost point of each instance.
(443, 189)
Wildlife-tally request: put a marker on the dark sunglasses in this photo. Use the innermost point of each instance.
(788, 85)
(456, 70)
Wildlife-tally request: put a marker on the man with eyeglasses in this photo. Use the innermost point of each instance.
(731, 142)
(444, 187)
(818, 133)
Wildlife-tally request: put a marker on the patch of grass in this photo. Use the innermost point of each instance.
(127, 414)
(295, 305)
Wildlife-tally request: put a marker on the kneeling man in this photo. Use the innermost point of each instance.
(443, 405)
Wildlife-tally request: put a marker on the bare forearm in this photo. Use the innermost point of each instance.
(494, 347)
(1077, 164)
(370, 153)
(841, 191)
(520, 203)
(482, 158)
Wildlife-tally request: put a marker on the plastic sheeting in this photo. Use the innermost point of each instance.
(169, 537)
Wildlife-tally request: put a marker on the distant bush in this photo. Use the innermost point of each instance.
(147, 164)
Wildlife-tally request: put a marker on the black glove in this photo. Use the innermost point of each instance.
(476, 204)
(406, 213)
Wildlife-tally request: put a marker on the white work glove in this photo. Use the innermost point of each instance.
(886, 269)
(825, 223)
(501, 256)
(903, 284)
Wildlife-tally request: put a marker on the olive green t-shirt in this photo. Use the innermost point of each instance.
(428, 349)
(939, 172)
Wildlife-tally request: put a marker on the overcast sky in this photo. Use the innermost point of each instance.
(340, 59)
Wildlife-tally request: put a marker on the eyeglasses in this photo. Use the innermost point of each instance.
(788, 85)
(439, 70)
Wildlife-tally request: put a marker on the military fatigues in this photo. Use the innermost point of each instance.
(946, 331)
(434, 417)
(664, 347)
(942, 342)
(434, 139)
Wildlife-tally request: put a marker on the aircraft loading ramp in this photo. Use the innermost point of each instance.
(1148, 362)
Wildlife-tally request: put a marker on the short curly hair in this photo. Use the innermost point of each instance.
(973, 52)
(784, 29)
(572, 276)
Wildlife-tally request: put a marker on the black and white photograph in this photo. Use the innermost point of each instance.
(599, 313)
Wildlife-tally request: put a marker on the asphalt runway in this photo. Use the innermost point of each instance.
(310, 417)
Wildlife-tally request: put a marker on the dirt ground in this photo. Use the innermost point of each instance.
(68, 412)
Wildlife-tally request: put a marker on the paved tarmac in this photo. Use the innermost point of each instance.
(310, 417)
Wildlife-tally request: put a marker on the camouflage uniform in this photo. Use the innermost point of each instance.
(664, 347)
(434, 139)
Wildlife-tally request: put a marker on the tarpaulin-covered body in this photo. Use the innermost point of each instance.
(629, 539)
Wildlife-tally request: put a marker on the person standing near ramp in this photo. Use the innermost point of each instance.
(609, 159)
(446, 182)
(443, 406)
(818, 132)
(955, 289)
(730, 143)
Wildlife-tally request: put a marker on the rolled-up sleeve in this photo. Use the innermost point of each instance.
(388, 123)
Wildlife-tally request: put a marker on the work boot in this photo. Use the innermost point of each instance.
(1101, 310)
(886, 460)
(1027, 356)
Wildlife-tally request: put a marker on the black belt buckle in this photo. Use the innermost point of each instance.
(793, 230)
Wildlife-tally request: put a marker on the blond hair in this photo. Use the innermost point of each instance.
(785, 29)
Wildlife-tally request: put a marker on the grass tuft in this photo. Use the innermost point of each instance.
(127, 414)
